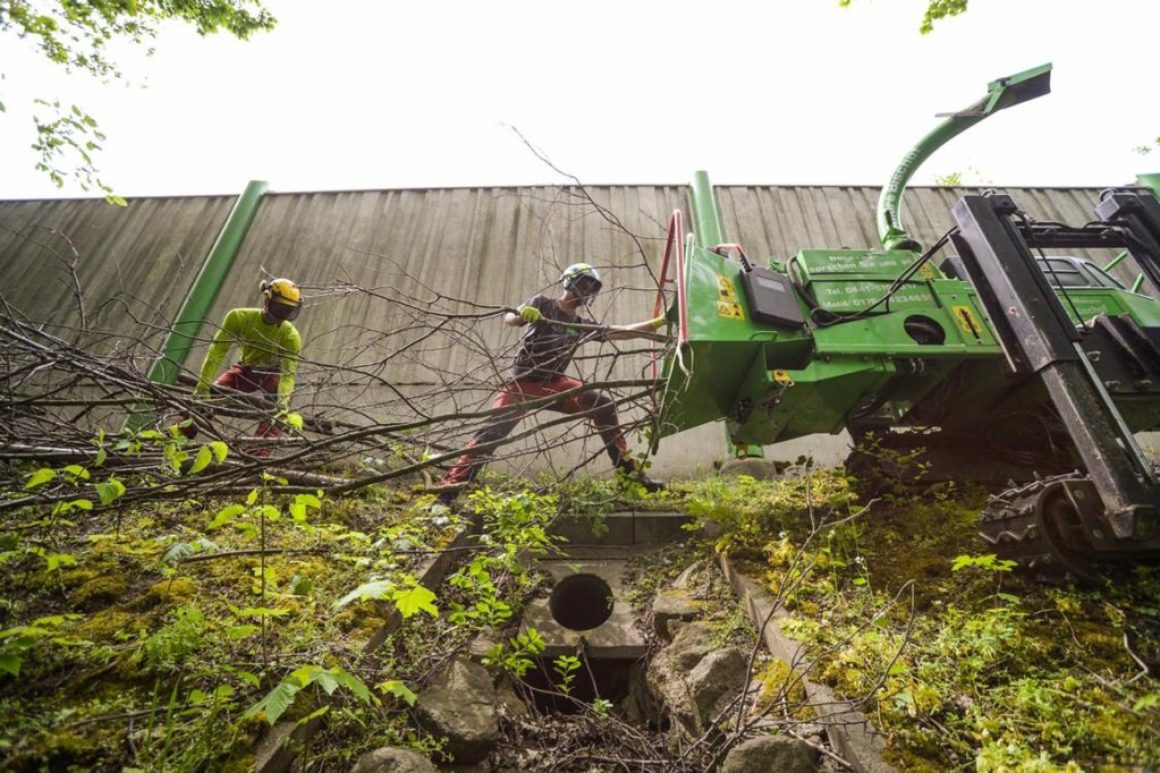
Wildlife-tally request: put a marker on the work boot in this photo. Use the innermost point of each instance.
(633, 469)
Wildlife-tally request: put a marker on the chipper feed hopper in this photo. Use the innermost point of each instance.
(992, 350)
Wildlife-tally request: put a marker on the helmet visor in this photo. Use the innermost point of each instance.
(586, 286)
(282, 311)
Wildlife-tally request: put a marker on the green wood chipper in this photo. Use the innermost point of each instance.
(991, 351)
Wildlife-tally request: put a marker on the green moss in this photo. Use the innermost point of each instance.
(240, 763)
(104, 625)
(61, 749)
(100, 591)
(173, 590)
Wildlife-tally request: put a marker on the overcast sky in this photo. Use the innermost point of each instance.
(349, 95)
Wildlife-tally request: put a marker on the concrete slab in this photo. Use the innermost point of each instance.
(623, 528)
(617, 637)
(851, 734)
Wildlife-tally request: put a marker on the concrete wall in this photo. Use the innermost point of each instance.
(376, 263)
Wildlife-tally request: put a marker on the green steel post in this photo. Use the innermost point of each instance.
(204, 292)
(709, 233)
(1115, 261)
(1001, 93)
(706, 216)
(1151, 180)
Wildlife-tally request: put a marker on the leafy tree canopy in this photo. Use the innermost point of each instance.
(936, 10)
(76, 35)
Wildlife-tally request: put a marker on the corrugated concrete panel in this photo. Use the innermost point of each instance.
(376, 264)
(133, 264)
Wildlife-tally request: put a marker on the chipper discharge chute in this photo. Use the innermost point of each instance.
(1003, 361)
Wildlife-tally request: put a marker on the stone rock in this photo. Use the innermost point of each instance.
(771, 752)
(691, 642)
(693, 679)
(761, 469)
(672, 605)
(507, 698)
(638, 706)
(460, 703)
(388, 759)
(685, 578)
(666, 672)
(715, 681)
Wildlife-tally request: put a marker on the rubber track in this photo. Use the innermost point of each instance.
(1010, 525)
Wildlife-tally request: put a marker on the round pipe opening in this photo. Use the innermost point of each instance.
(581, 602)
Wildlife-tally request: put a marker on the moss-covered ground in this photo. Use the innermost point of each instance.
(169, 635)
(961, 662)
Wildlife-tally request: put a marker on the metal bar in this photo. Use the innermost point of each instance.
(207, 285)
(1036, 236)
(202, 293)
(1140, 215)
(706, 216)
(1031, 324)
(1034, 330)
(1001, 93)
(1115, 261)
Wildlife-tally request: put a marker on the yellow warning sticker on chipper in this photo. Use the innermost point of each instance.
(727, 305)
(730, 310)
(967, 320)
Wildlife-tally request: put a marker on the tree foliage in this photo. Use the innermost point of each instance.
(76, 35)
(936, 10)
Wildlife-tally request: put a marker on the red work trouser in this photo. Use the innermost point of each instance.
(242, 378)
(603, 417)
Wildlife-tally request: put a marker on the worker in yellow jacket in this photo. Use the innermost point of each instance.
(269, 345)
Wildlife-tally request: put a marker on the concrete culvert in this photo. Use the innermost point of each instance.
(581, 602)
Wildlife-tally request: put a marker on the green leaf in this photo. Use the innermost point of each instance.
(378, 589)
(110, 490)
(251, 679)
(294, 421)
(326, 681)
(201, 461)
(1147, 702)
(225, 515)
(261, 612)
(252, 497)
(301, 503)
(241, 631)
(352, 684)
(309, 500)
(100, 458)
(300, 586)
(81, 504)
(304, 675)
(220, 450)
(276, 702)
(77, 471)
(57, 560)
(410, 601)
(40, 477)
(315, 714)
(10, 663)
(398, 689)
